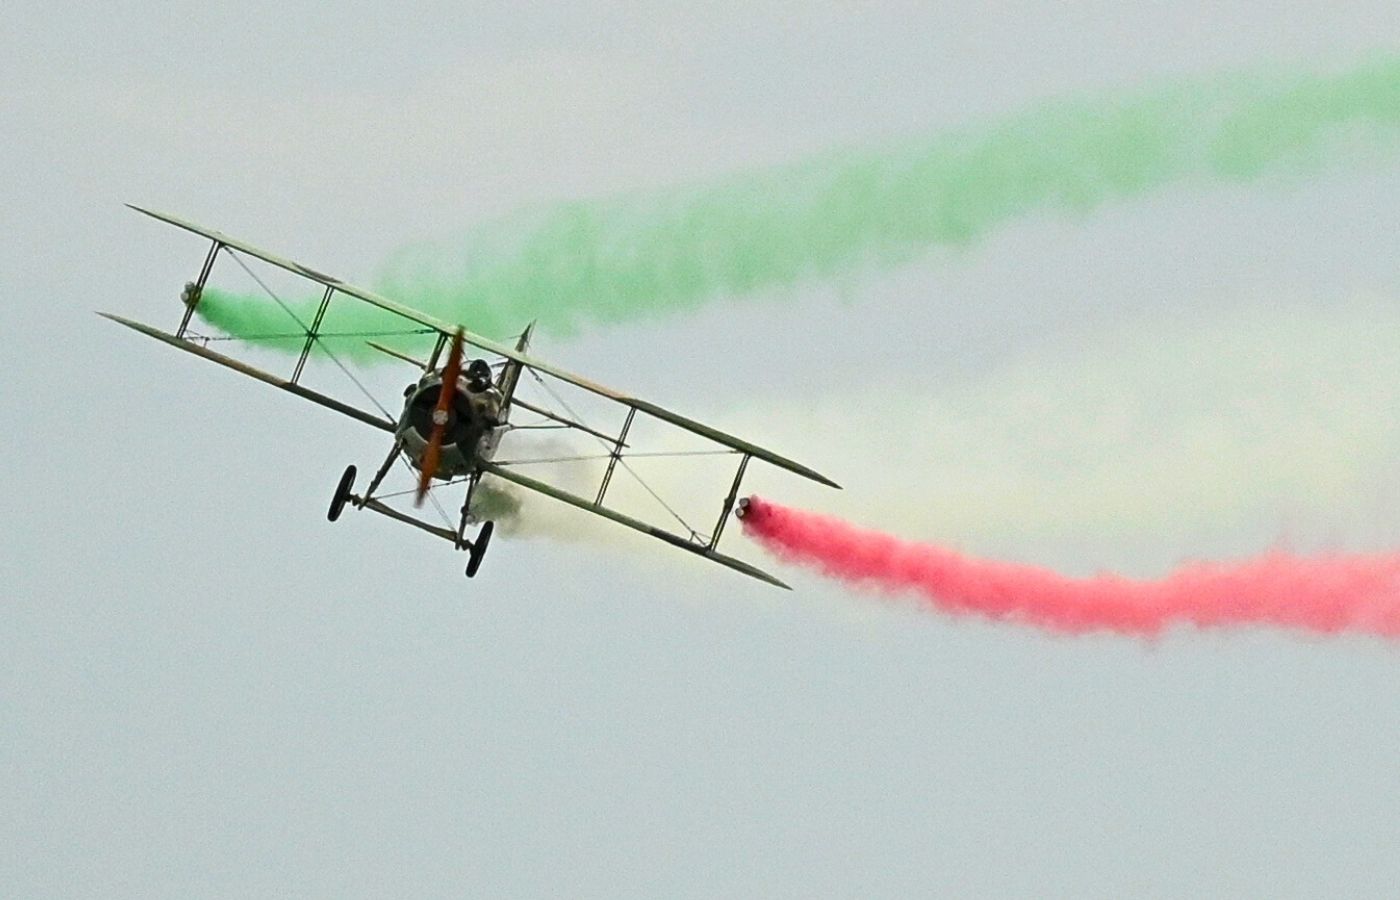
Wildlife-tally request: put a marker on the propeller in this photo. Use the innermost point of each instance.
(441, 413)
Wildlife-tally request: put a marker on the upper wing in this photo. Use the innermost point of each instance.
(445, 328)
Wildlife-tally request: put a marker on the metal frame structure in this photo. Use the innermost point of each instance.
(616, 446)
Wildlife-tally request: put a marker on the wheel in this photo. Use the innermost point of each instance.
(342, 493)
(479, 548)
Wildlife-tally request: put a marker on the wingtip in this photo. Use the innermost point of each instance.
(137, 326)
(769, 578)
(154, 214)
(818, 477)
(766, 578)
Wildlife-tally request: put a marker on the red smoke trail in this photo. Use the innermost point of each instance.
(1324, 594)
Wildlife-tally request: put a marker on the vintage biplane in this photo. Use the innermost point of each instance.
(457, 412)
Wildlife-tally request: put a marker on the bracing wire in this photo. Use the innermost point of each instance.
(447, 520)
(654, 495)
(314, 336)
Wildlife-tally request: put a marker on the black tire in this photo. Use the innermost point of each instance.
(342, 493)
(478, 550)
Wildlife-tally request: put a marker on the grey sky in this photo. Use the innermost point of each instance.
(207, 690)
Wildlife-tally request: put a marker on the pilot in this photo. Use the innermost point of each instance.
(479, 375)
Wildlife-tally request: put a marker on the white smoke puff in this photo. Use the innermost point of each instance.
(521, 513)
(1174, 435)
(1132, 446)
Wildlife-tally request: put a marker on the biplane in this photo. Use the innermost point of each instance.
(457, 411)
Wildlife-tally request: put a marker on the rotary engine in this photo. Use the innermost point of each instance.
(470, 428)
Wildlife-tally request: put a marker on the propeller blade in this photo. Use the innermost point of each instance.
(441, 413)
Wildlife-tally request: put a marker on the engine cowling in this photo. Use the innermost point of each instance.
(468, 431)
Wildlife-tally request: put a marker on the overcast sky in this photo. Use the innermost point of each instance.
(208, 690)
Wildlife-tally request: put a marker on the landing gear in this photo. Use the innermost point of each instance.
(478, 548)
(342, 493)
(383, 470)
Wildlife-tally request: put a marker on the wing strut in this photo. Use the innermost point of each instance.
(196, 290)
(729, 501)
(615, 456)
(312, 332)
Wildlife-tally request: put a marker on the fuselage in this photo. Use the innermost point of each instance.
(473, 422)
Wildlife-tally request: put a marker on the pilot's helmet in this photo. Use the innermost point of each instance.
(479, 374)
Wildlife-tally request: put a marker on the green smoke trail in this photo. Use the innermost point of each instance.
(621, 258)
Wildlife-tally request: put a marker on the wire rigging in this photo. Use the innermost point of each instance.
(289, 336)
(314, 336)
(655, 496)
(592, 457)
(613, 451)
